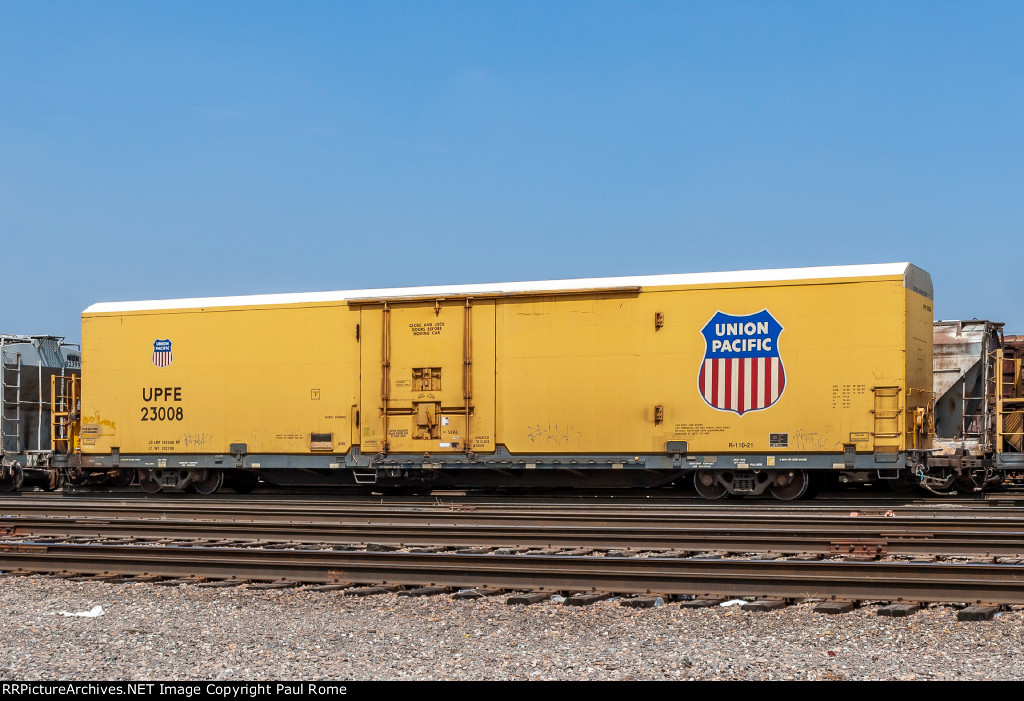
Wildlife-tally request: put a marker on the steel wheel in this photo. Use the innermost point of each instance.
(54, 481)
(816, 482)
(793, 484)
(148, 482)
(707, 486)
(122, 479)
(12, 482)
(212, 481)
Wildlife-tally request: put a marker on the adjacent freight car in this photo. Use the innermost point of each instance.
(738, 382)
(979, 407)
(38, 380)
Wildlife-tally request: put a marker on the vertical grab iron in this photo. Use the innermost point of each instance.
(467, 371)
(385, 388)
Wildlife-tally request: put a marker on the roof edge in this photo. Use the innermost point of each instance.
(911, 274)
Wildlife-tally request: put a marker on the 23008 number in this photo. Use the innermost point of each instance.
(154, 413)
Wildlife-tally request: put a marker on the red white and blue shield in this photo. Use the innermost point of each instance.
(742, 370)
(162, 352)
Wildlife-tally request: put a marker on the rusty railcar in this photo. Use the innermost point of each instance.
(979, 406)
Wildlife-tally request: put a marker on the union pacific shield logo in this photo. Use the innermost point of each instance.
(162, 352)
(742, 370)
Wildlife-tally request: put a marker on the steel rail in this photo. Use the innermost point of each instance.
(768, 537)
(948, 518)
(864, 524)
(287, 504)
(931, 582)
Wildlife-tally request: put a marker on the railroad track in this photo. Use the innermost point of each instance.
(913, 530)
(452, 509)
(671, 550)
(875, 537)
(700, 577)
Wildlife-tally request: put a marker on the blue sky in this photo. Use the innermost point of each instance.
(171, 149)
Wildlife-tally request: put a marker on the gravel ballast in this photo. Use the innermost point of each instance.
(150, 632)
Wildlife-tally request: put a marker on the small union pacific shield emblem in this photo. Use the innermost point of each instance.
(742, 370)
(162, 353)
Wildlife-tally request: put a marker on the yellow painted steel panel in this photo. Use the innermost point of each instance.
(586, 375)
(604, 371)
(398, 345)
(269, 378)
(919, 345)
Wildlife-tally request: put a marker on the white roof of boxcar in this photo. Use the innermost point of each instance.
(921, 279)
